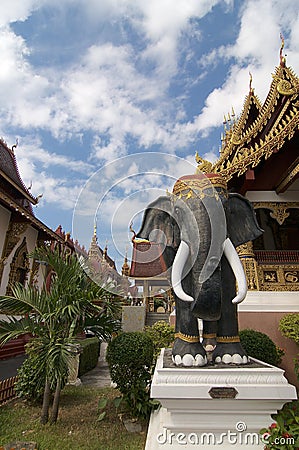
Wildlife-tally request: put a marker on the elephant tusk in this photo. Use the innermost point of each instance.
(177, 270)
(237, 268)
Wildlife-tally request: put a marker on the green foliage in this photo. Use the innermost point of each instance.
(78, 429)
(130, 357)
(53, 316)
(289, 326)
(283, 434)
(31, 381)
(258, 345)
(162, 335)
(103, 326)
(89, 355)
(32, 376)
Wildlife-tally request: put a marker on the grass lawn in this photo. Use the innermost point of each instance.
(76, 428)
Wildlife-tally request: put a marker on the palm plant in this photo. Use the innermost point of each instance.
(53, 316)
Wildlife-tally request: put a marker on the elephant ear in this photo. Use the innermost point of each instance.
(158, 225)
(242, 225)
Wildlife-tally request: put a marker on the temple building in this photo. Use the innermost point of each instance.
(259, 159)
(101, 266)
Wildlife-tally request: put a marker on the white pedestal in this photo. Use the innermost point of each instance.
(214, 407)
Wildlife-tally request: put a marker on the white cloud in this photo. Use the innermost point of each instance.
(16, 10)
(256, 50)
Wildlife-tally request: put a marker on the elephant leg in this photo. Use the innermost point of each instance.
(209, 335)
(187, 349)
(228, 349)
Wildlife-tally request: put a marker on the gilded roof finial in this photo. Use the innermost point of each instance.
(282, 58)
(251, 90)
(203, 165)
(105, 251)
(95, 228)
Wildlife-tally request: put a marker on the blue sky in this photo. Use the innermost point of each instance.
(84, 83)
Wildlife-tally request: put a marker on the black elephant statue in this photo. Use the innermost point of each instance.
(198, 226)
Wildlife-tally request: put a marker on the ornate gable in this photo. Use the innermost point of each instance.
(252, 140)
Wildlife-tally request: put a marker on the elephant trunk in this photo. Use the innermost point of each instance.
(179, 262)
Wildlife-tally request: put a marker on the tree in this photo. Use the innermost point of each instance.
(53, 316)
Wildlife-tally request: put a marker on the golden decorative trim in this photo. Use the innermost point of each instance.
(245, 250)
(200, 184)
(278, 209)
(203, 165)
(237, 155)
(284, 87)
(209, 335)
(186, 337)
(228, 339)
(200, 188)
(274, 277)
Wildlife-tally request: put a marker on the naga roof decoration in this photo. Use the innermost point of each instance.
(9, 170)
(261, 130)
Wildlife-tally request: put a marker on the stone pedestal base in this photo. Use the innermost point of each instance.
(215, 406)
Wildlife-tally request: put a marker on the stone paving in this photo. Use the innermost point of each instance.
(99, 376)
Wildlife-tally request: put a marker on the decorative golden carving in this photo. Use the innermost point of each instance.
(186, 337)
(246, 254)
(203, 165)
(278, 209)
(237, 152)
(227, 339)
(13, 233)
(19, 267)
(273, 277)
(284, 87)
(246, 250)
(200, 188)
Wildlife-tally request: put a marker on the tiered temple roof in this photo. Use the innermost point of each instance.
(260, 149)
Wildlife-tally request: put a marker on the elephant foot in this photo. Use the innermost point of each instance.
(230, 353)
(188, 353)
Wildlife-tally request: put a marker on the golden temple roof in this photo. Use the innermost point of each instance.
(262, 129)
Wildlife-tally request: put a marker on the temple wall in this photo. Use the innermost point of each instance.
(262, 311)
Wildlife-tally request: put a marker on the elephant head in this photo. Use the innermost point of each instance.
(200, 224)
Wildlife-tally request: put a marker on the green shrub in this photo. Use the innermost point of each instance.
(130, 357)
(32, 376)
(162, 335)
(31, 381)
(258, 345)
(89, 356)
(283, 434)
(289, 326)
